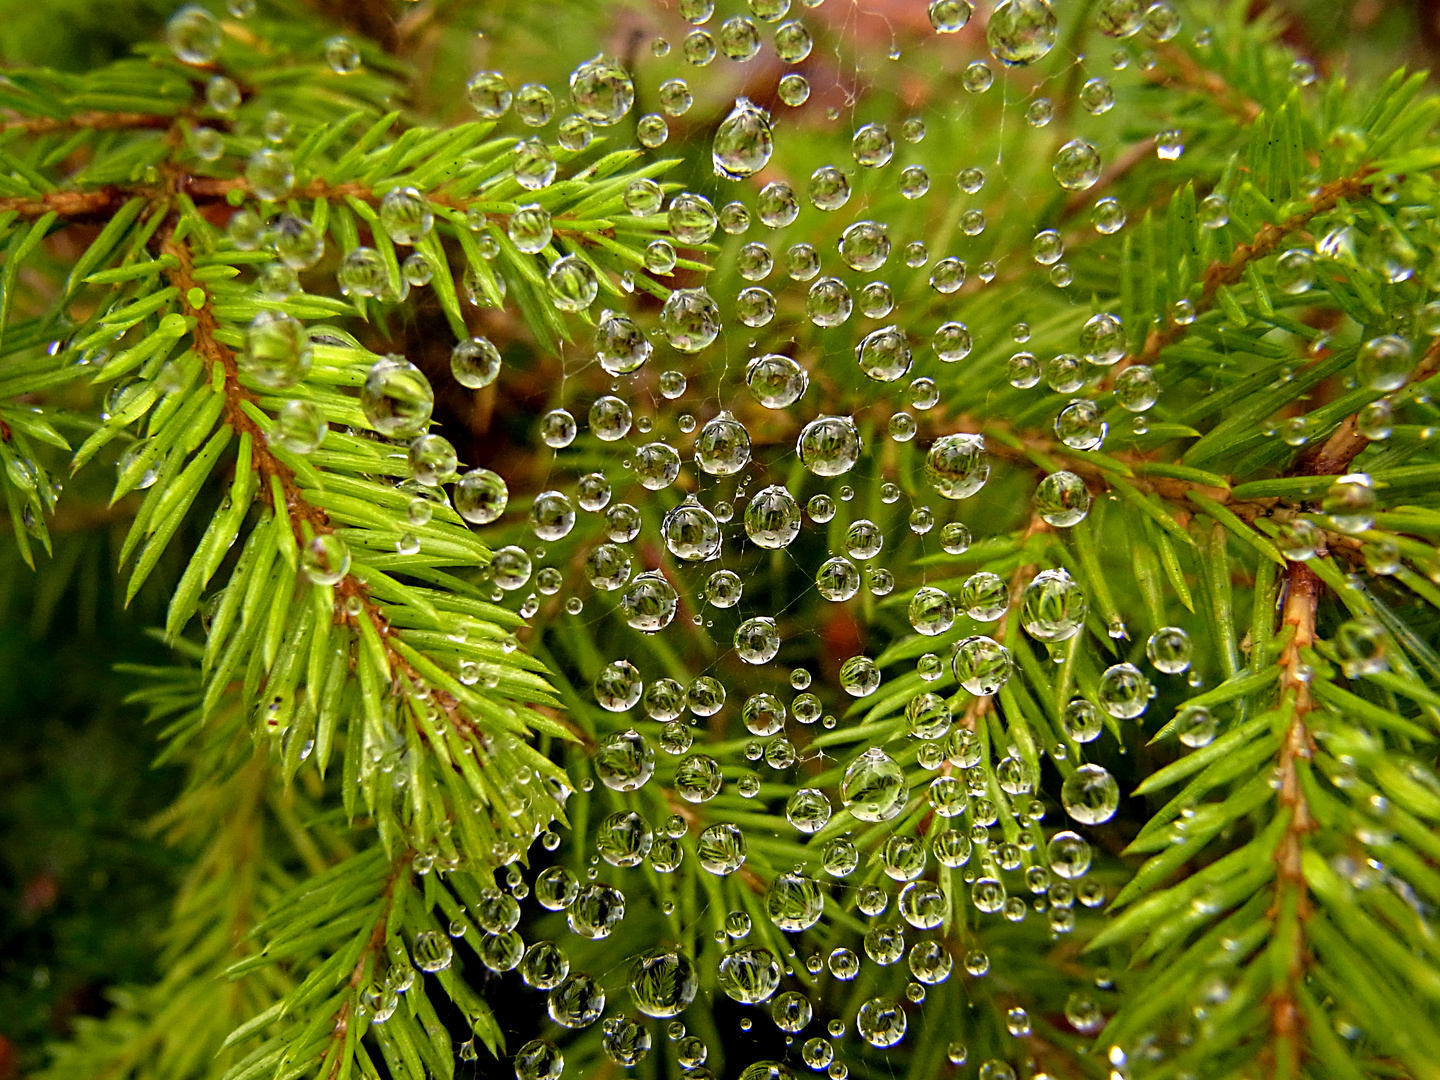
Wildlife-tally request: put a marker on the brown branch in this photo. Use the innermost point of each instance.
(1181, 69)
(215, 353)
(1303, 590)
(1132, 157)
(373, 944)
(1334, 456)
(98, 204)
(306, 519)
(1264, 243)
(95, 121)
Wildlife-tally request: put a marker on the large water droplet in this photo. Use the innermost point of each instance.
(690, 319)
(982, 665)
(1053, 606)
(884, 354)
(743, 142)
(772, 519)
(193, 35)
(757, 640)
(691, 532)
(794, 902)
(721, 849)
(649, 602)
(775, 381)
(957, 466)
(1077, 165)
(1021, 31)
(723, 446)
(663, 982)
(1090, 795)
(829, 445)
(397, 398)
(873, 788)
(602, 91)
(881, 1021)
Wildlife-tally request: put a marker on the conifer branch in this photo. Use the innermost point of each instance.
(1334, 456)
(306, 519)
(216, 354)
(92, 121)
(1230, 271)
(374, 944)
(97, 204)
(1292, 905)
(1180, 69)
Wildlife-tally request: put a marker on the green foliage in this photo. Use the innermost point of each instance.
(1195, 544)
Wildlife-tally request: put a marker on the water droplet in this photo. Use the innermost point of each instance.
(957, 466)
(829, 188)
(950, 16)
(270, 173)
(794, 89)
(982, 665)
(776, 381)
(1021, 31)
(1124, 692)
(739, 38)
(793, 42)
(884, 354)
(1081, 425)
(431, 951)
(277, 351)
(1090, 795)
(1294, 271)
(602, 91)
(193, 35)
(1196, 725)
(1053, 606)
(859, 677)
(1385, 362)
(1068, 855)
(948, 275)
(978, 77)
(325, 560)
(1062, 499)
(1169, 144)
(300, 427)
(757, 640)
(881, 1021)
(750, 976)
(794, 902)
(1083, 1013)
(625, 762)
(396, 398)
(828, 446)
(743, 142)
(690, 319)
(1169, 649)
(872, 145)
(342, 55)
(663, 982)
(873, 787)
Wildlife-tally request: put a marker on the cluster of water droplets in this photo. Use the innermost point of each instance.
(726, 456)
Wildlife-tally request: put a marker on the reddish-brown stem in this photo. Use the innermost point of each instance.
(373, 944)
(1219, 274)
(1303, 590)
(95, 121)
(1179, 68)
(73, 205)
(306, 519)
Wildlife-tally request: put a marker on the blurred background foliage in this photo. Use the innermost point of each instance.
(85, 881)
